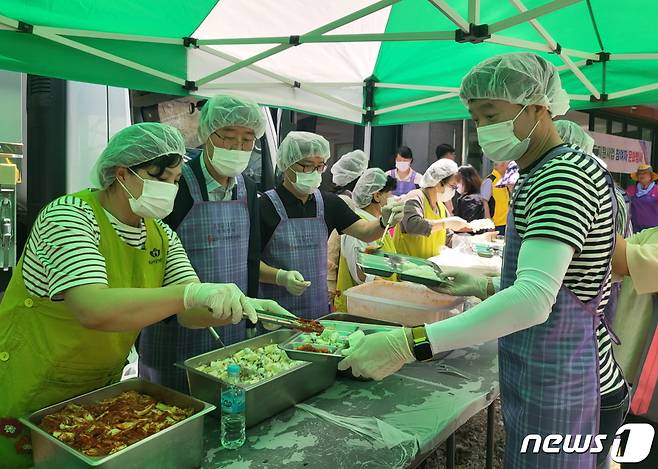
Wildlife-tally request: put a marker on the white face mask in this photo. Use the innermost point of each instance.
(307, 183)
(156, 201)
(402, 165)
(230, 162)
(460, 188)
(499, 143)
(446, 195)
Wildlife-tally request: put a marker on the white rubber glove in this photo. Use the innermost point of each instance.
(224, 300)
(463, 284)
(450, 223)
(293, 281)
(268, 306)
(378, 355)
(392, 213)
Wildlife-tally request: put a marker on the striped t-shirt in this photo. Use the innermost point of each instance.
(568, 200)
(62, 250)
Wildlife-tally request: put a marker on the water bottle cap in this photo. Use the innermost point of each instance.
(233, 369)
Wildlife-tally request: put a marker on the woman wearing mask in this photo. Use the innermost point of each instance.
(469, 204)
(644, 198)
(345, 174)
(407, 178)
(97, 268)
(370, 195)
(216, 217)
(296, 219)
(546, 310)
(423, 230)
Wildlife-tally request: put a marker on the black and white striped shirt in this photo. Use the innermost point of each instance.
(62, 249)
(568, 200)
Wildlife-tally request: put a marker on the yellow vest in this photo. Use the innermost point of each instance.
(345, 280)
(46, 355)
(419, 245)
(501, 196)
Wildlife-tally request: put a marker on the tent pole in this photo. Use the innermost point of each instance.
(367, 139)
(448, 89)
(530, 14)
(538, 46)
(632, 91)
(417, 102)
(464, 141)
(12, 23)
(579, 97)
(652, 56)
(451, 13)
(110, 57)
(104, 35)
(474, 11)
(280, 48)
(580, 63)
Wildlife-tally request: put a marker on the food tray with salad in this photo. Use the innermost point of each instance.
(408, 268)
(327, 347)
(272, 381)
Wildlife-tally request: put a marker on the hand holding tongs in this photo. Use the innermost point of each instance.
(290, 322)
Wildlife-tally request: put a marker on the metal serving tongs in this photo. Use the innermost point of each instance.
(304, 325)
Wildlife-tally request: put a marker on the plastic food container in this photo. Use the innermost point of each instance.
(403, 303)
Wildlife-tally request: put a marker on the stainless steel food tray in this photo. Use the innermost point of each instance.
(268, 397)
(179, 446)
(343, 328)
(385, 264)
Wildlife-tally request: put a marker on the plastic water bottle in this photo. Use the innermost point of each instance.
(233, 411)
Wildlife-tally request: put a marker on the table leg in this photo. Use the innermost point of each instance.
(450, 453)
(491, 418)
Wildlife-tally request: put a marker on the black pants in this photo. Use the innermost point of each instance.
(614, 407)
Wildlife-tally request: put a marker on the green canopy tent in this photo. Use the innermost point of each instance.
(363, 61)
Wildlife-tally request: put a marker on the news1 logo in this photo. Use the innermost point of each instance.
(632, 443)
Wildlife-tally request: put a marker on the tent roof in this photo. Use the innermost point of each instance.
(384, 62)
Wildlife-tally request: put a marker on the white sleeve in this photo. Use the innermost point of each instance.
(542, 265)
(178, 269)
(486, 189)
(349, 246)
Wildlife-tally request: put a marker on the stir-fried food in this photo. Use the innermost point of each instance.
(112, 424)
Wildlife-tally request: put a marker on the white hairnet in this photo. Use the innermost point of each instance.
(520, 78)
(299, 145)
(438, 171)
(349, 167)
(136, 144)
(570, 132)
(228, 111)
(372, 181)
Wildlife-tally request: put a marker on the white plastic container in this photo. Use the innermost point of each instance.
(405, 303)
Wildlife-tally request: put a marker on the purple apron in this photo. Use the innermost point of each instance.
(404, 187)
(299, 244)
(644, 210)
(215, 236)
(549, 373)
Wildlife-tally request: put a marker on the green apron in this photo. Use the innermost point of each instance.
(46, 355)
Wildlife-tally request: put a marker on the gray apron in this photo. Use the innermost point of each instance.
(215, 236)
(299, 244)
(549, 373)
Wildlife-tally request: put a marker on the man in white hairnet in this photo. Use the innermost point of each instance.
(344, 174)
(371, 193)
(296, 219)
(547, 307)
(216, 217)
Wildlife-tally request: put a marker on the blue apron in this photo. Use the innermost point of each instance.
(299, 244)
(549, 373)
(404, 187)
(215, 236)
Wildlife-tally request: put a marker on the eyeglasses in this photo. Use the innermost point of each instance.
(234, 143)
(308, 169)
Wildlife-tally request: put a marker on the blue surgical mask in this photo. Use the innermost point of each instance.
(307, 183)
(499, 143)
